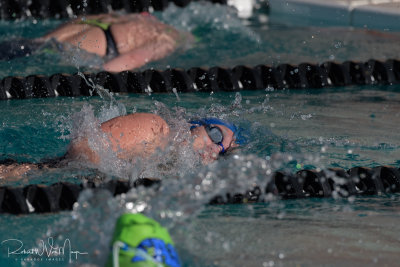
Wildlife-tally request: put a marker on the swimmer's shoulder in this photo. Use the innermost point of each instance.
(141, 120)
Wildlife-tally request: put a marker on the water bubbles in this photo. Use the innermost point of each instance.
(140, 206)
(176, 94)
(129, 205)
(306, 116)
(351, 199)
(218, 16)
(281, 215)
(263, 19)
(178, 214)
(90, 225)
(269, 264)
(209, 237)
(338, 44)
(226, 246)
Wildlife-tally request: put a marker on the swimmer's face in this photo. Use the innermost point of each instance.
(206, 147)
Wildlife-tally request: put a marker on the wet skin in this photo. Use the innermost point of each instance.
(140, 38)
(130, 136)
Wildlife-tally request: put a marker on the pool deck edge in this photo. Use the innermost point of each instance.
(370, 14)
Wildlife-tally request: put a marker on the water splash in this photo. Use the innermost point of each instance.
(175, 202)
(111, 108)
(89, 226)
(220, 17)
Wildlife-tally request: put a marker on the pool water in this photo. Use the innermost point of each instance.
(222, 40)
(286, 129)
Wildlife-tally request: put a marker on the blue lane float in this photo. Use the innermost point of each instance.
(284, 76)
(333, 182)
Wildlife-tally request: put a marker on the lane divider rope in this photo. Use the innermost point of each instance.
(15, 9)
(284, 76)
(334, 182)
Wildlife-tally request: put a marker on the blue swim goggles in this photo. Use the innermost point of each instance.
(216, 136)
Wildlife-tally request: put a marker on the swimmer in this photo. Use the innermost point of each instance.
(139, 135)
(141, 241)
(125, 42)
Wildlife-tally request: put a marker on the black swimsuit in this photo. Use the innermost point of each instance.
(112, 50)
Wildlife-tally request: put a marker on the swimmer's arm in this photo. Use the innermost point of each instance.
(16, 170)
(128, 61)
(139, 56)
(12, 170)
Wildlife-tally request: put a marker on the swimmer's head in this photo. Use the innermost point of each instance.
(215, 136)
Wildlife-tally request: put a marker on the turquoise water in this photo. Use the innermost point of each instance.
(340, 127)
(288, 127)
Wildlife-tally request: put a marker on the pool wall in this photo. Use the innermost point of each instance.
(371, 14)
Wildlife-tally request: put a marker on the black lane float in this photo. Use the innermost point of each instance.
(305, 183)
(14, 9)
(285, 76)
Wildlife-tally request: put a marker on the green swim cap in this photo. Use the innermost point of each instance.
(139, 241)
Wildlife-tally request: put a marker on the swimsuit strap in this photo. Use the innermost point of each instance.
(112, 50)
